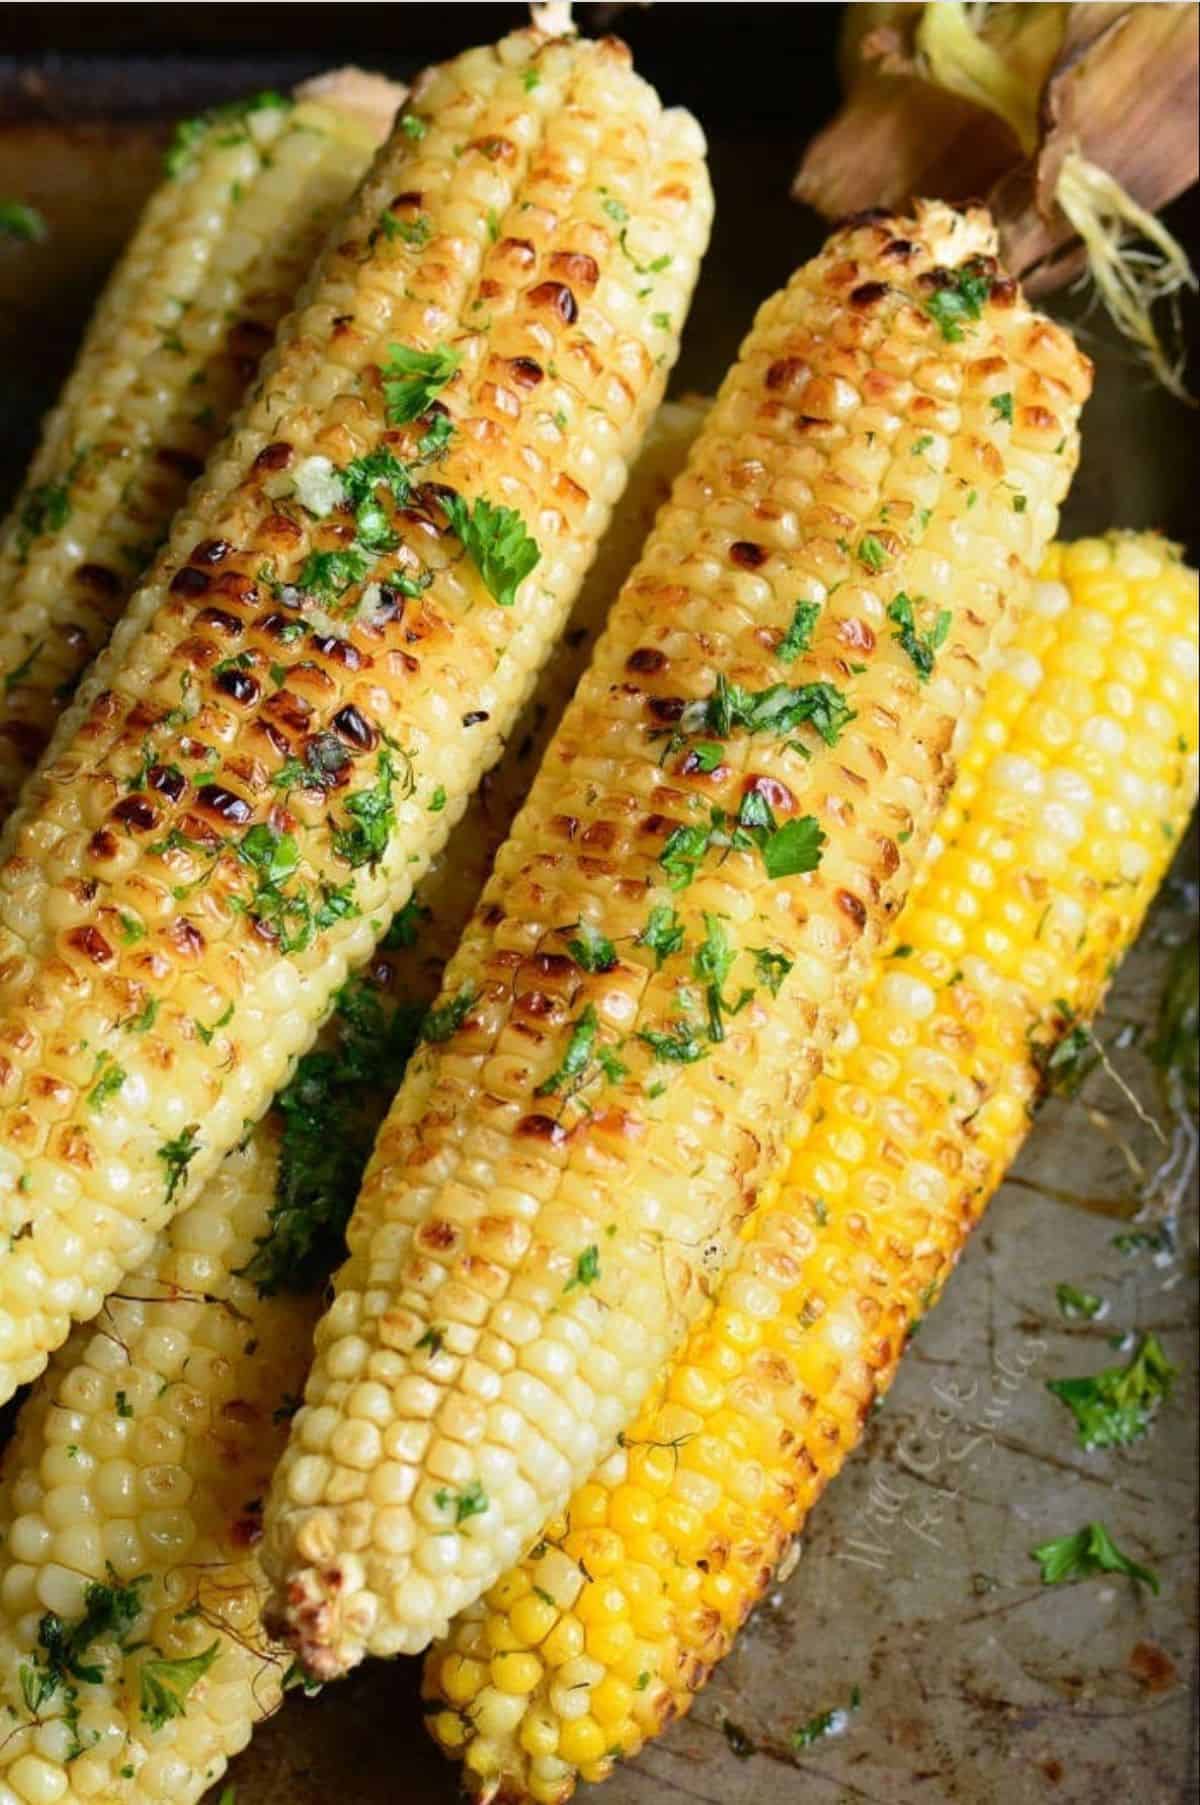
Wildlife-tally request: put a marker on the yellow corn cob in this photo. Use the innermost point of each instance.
(298, 703)
(568, 1158)
(221, 248)
(1077, 781)
(154, 1430)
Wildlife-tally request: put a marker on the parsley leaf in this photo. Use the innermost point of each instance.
(1078, 1303)
(683, 853)
(165, 1684)
(472, 1501)
(798, 637)
(960, 300)
(770, 968)
(681, 1046)
(373, 816)
(411, 379)
(1002, 407)
(587, 1269)
(663, 934)
(591, 950)
(17, 220)
(444, 1021)
(872, 552)
(575, 1059)
(922, 647)
(328, 1112)
(328, 575)
(177, 1155)
(777, 710)
(1116, 1406)
(413, 126)
(1090, 1550)
(711, 963)
(495, 540)
(107, 1080)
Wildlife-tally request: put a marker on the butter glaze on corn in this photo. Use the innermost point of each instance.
(1079, 777)
(521, 1265)
(156, 1427)
(215, 261)
(166, 763)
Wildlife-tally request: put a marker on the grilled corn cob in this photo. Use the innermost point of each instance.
(1077, 781)
(248, 197)
(147, 1443)
(677, 926)
(331, 649)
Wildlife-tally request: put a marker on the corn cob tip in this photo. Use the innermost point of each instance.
(364, 92)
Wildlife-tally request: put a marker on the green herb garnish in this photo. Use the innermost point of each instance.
(1116, 1406)
(1090, 1550)
(495, 540)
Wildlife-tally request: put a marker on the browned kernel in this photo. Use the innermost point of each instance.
(556, 296)
(352, 727)
(646, 659)
(189, 581)
(274, 457)
(749, 556)
(225, 804)
(211, 551)
(525, 372)
(100, 578)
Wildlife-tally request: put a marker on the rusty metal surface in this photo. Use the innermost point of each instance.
(977, 1685)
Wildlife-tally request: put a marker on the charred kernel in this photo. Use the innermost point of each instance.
(342, 651)
(276, 624)
(851, 906)
(899, 248)
(91, 943)
(856, 634)
(775, 794)
(518, 251)
(103, 845)
(786, 371)
(189, 581)
(867, 293)
(353, 728)
(167, 781)
(279, 741)
(136, 811)
(211, 551)
(542, 1128)
(185, 462)
(186, 936)
(390, 606)
(289, 709)
(274, 457)
(666, 708)
(238, 587)
(412, 197)
(525, 372)
(280, 526)
(220, 622)
(747, 555)
(239, 686)
(576, 268)
(474, 717)
(1004, 292)
(225, 804)
(646, 659)
(100, 578)
(558, 298)
(553, 965)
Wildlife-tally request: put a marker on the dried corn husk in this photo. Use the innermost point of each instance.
(1078, 122)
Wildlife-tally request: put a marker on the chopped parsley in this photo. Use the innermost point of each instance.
(177, 1155)
(1143, 1240)
(798, 637)
(872, 552)
(921, 647)
(530, 80)
(591, 950)
(107, 1080)
(373, 818)
(189, 132)
(415, 232)
(1116, 1406)
(472, 1501)
(577, 1056)
(325, 757)
(1002, 407)
(441, 1023)
(770, 968)
(1090, 1550)
(787, 851)
(145, 1018)
(681, 1046)
(109, 1613)
(618, 213)
(663, 934)
(959, 301)
(165, 1684)
(656, 265)
(683, 854)
(495, 540)
(1065, 1062)
(711, 963)
(411, 379)
(328, 1112)
(587, 1269)
(413, 126)
(437, 801)
(328, 575)
(45, 509)
(825, 1723)
(1078, 1303)
(405, 925)
(778, 710)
